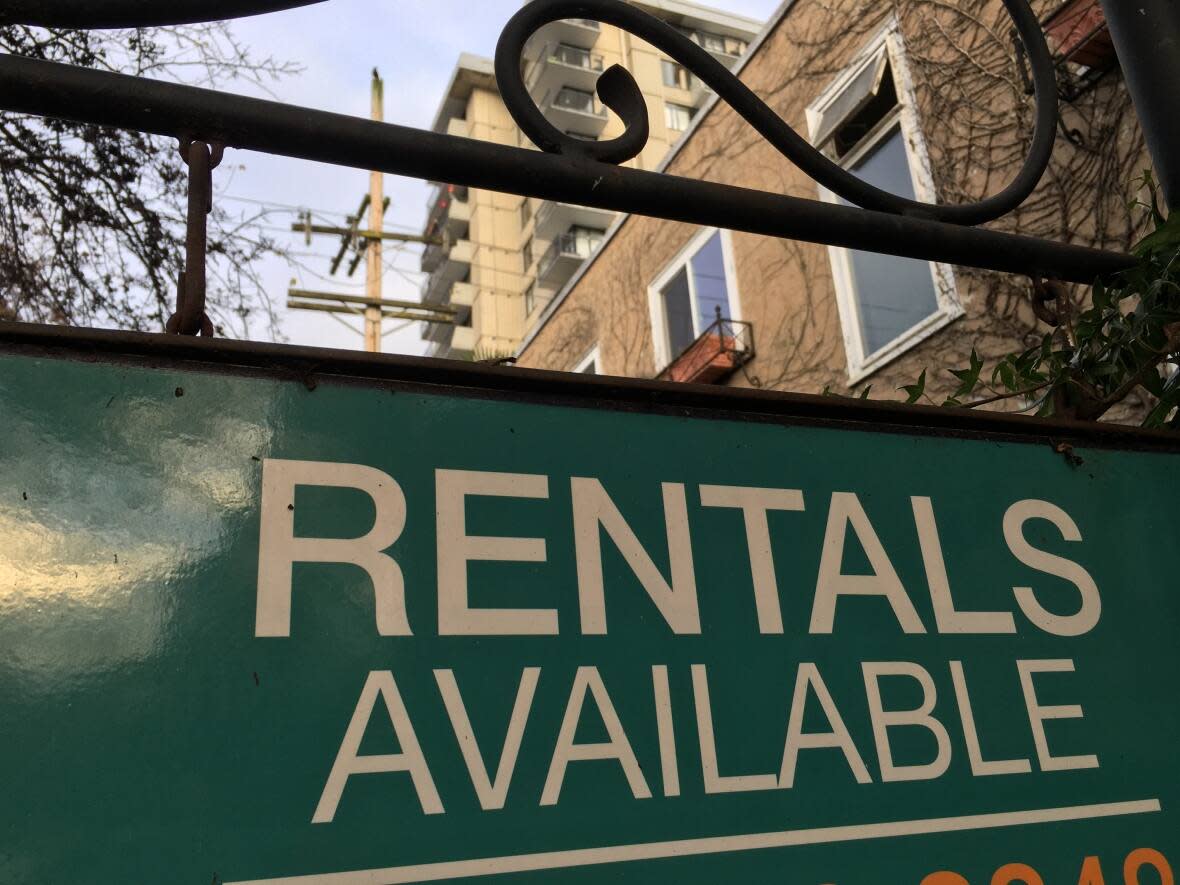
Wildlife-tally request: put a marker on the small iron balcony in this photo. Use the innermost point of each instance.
(718, 352)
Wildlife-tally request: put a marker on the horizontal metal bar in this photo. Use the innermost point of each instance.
(457, 378)
(372, 302)
(365, 234)
(134, 13)
(436, 319)
(49, 89)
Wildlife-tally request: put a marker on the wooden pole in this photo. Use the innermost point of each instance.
(373, 265)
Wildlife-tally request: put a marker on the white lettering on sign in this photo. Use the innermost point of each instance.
(921, 717)
(755, 504)
(349, 762)
(595, 511)
(279, 549)
(846, 510)
(1087, 616)
(640, 742)
(456, 548)
(617, 748)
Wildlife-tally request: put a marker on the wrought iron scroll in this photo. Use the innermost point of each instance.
(133, 13)
(566, 169)
(619, 91)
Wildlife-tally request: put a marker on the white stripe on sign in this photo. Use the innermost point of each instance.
(584, 857)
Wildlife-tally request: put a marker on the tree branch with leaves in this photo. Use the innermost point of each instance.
(1126, 339)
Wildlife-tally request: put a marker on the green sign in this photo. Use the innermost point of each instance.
(260, 629)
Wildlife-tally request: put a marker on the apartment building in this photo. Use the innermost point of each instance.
(919, 97)
(505, 257)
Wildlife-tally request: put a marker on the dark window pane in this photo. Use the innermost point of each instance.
(876, 107)
(678, 312)
(893, 294)
(708, 274)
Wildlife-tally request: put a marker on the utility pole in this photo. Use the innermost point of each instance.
(1146, 36)
(373, 267)
(372, 308)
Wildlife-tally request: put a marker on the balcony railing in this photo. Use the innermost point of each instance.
(439, 209)
(576, 101)
(567, 245)
(574, 57)
(721, 350)
(718, 45)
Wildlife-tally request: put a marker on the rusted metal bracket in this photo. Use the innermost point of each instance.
(190, 317)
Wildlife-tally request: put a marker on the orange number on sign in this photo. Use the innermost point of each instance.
(945, 878)
(1143, 857)
(1017, 872)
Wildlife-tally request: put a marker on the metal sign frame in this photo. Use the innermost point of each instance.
(566, 169)
(311, 365)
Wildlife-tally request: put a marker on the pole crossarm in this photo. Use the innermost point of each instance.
(440, 319)
(372, 302)
(366, 234)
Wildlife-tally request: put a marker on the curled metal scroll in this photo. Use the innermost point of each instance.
(618, 90)
(133, 13)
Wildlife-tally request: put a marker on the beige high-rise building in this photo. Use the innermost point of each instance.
(505, 257)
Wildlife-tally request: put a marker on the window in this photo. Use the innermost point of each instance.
(676, 75)
(582, 241)
(589, 364)
(867, 125)
(526, 255)
(530, 300)
(677, 116)
(689, 295)
(575, 57)
(719, 44)
(574, 100)
(526, 212)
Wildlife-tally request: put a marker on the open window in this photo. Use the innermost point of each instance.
(866, 122)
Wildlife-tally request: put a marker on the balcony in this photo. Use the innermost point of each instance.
(562, 65)
(1078, 33)
(580, 32)
(449, 213)
(446, 267)
(555, 218)
(725, 49)
(575, 111)
(1083, 50)
(462, 295)
(721, 350)
(565, 255)
(463, 340)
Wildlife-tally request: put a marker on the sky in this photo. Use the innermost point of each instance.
(414, 44)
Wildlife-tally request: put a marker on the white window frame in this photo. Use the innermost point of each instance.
(659, 325)
(591, 357)
(689, 113)
(949, 307)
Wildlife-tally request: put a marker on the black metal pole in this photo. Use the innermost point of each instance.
(55, 90)
(1147, 38)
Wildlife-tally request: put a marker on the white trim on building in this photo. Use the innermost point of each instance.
(885, 52)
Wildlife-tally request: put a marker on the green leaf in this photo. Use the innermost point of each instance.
(969, 377)
(1165, 238)
(914, 392)
(1102, 295)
